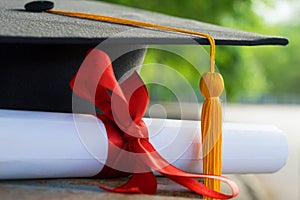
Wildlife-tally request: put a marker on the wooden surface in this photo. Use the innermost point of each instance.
(251, 189)
(84, 189)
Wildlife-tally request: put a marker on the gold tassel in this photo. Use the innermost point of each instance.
(211, 86)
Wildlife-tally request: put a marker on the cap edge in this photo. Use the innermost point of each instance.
(95, 41)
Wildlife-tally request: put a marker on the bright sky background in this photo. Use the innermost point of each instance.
(282, 11)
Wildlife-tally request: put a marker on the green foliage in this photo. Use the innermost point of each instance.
(250, 73)
(281, 65)
(177, 68)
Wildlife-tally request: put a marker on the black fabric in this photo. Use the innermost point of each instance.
(36, 77)
(18, 25)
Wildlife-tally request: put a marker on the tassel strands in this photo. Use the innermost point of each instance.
(211, 86)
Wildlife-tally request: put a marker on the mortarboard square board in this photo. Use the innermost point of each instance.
(41, 52)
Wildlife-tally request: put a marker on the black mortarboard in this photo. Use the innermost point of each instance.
(40, 52)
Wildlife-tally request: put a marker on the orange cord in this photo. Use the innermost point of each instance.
(143, 25)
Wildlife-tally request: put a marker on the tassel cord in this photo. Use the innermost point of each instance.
(148, 25)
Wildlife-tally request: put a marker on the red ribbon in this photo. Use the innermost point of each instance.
(123, 107)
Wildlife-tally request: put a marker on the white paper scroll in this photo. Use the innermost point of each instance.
(53, 145)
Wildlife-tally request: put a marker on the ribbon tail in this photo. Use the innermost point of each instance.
(188, 180)
(158, 163)
(198, 187)
(139, 183)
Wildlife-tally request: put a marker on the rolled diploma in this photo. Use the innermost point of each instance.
(55, 145)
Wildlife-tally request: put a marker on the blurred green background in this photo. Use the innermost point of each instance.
(262, 74)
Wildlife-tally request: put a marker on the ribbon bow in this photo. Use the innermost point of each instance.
(123, 105)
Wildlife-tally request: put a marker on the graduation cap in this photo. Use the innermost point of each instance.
(41, 51)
